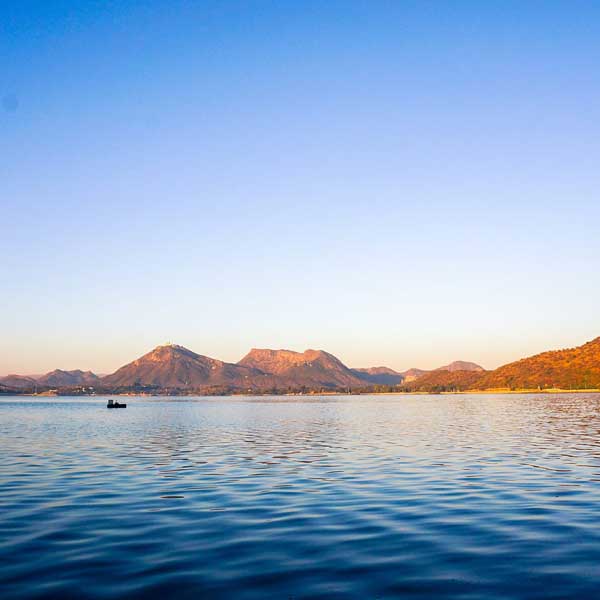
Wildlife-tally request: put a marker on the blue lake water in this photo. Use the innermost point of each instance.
(471, 497)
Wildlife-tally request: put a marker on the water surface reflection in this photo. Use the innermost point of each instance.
(439, 496)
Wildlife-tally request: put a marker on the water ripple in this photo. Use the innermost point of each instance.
(467, 497)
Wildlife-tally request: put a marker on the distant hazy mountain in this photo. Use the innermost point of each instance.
(458, 365)
(379, 375)
(56, 379)
(445, 380)
(461, 365)
(18, 382)
(59, 378)
(174, 366)
(412, 374)
(311, 368)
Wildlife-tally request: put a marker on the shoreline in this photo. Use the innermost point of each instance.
(489, 392)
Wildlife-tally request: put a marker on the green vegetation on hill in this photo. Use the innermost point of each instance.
(173, 369)
(445, 381)
(572, 368)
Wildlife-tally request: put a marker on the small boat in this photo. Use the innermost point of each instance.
(113, 404)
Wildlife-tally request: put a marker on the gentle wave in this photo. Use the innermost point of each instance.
(339, 497)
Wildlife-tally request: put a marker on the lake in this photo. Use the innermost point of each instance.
(470, 497)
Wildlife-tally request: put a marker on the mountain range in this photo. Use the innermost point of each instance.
(311, 368)
(571, 368)
(173, 368)
(576, 368)
(54, 379)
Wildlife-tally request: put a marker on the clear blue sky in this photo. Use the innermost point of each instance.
(400, 183)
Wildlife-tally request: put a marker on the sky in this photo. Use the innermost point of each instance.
(401, 183)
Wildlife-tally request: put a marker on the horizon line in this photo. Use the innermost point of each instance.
(101, 372)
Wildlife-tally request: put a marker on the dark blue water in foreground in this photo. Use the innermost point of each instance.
(353, 497)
